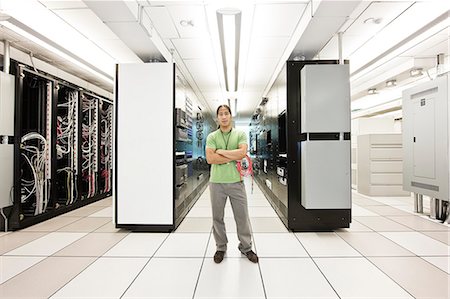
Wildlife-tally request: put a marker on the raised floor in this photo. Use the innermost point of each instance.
(389, 252)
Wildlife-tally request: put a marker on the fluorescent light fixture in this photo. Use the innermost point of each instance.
(233, 106)
(229, 22)
(47, 44)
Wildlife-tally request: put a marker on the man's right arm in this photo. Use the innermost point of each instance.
(213, 158)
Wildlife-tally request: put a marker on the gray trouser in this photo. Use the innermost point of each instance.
(238, 199)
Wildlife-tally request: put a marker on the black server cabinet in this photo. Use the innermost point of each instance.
(47, 162)
(277, 143)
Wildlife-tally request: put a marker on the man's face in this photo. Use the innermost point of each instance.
(224, 117)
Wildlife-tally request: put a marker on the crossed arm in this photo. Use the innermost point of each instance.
(220, 156)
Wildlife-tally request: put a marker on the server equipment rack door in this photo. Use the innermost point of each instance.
(318, 145)
(145, 151)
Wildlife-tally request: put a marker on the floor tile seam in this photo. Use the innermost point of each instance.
(45, 257)
(134, 279)
(203, 262)
(435, 266)
(367, 258)
(416, 231)
(85, 237)
(259, 268)
(318, 268)
(6, 253)
(45, 234)
(107, 257)
(76, 275)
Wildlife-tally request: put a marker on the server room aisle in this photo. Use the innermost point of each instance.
(388, 252)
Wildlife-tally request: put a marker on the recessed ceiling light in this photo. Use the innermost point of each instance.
(375, 21)
(372, 91)
(391, 83)
(187, 23)
(416, 72)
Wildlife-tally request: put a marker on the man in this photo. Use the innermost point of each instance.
(224, 147)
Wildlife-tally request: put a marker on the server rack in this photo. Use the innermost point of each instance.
(287, 149)
(47, 130)
(163, 172)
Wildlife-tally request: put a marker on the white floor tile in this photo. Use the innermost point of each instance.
(418, 243)
(258, 203)
(358, 278)
(166, 278)
(206, 203)
(278, 245)
(195, 225)
(233, 278)
(268, 225)
(106, 212)
(184, 245)
(294, 278)
(355, 226)
(10, 266)
(262, 212)
(137, 245)
(105, 278)
(442, 262)
(326, 245)
(47, 245)
(359, 211)
(200, 212)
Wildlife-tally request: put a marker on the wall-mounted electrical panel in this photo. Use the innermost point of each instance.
(301, 133)
(46, 146)
(426, 136)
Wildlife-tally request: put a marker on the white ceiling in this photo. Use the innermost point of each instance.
(272, 32)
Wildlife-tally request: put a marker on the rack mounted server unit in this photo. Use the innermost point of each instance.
(303, 153)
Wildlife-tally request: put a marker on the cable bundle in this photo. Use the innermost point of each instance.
(245, 168)
(89, 143)
(105, 143)
(65, 145)
(37, 162)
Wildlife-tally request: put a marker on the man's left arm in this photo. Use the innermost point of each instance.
(237, 154)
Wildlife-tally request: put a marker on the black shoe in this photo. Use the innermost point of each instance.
(251, 256)
(218, 256)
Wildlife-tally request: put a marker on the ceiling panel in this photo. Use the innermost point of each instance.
(114, 11)
(190, 13)
(118, 50)
(268, 47)
(86, 22)
(54, 4)
(385, 12)
(259, 72)
(134, 36)
(425, 47)
(205, 77)
(194, 48)
(162, 21)
(276, 19)
(416, 17)
(313, 40)
(442, 47)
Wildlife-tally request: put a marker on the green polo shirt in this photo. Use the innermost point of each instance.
(225, 173)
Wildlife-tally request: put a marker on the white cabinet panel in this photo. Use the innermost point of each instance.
(326, 175)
